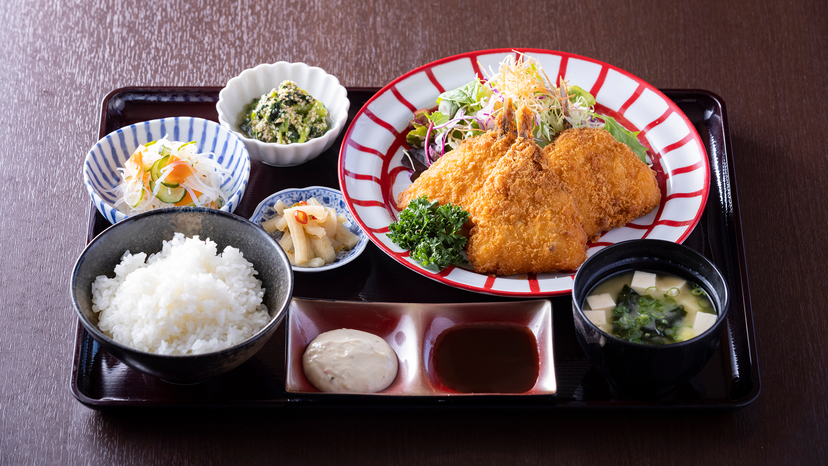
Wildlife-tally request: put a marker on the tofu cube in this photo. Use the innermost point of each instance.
(596, 317)
(703, 322)
(600, 302)
(642, 281)
(669, 282)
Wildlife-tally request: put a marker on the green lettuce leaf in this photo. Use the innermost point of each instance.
(464, 96)
(416, 137)
(625, 136)
(574, 92)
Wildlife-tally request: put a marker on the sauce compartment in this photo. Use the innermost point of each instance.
(412, 329)
(308, 318)
(534, 315)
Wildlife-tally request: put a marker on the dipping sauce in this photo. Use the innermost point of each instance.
(650, 308)
(349, 361)
(487, 358)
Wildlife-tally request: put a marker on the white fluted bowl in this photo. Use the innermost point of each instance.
(100, 174)
(255, 82)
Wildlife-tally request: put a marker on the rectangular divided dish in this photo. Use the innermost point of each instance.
(411, 330)
(730, 380)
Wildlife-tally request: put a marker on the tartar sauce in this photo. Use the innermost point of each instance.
(349, 361)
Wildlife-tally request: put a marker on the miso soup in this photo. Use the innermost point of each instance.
(650, 308)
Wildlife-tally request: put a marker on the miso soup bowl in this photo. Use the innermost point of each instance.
(640, 369)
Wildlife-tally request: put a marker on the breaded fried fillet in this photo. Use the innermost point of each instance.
(460, 173)
(525, 222)
(609, 184)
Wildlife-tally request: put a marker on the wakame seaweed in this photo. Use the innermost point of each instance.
(644, 319)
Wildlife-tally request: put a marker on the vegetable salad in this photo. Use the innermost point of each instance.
(472, 109)
(168, 173)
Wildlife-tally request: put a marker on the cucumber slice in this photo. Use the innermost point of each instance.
(167, 194)
(135, 202)
(170, 185)
(171, 195)
(155, 171)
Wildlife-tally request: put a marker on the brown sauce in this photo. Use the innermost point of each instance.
(487, 358)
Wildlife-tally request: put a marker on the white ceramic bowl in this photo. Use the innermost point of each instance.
(328, 197)
(255, 82)
(100, 174)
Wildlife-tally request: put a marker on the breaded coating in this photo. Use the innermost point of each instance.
(525, 222)
(609, 184)
(460, 173)
(532, 210)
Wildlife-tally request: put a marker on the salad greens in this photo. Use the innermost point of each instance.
(467, 97)
(472, 109)
(625, 136)
(431, 232)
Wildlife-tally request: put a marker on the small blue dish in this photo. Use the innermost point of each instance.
(100, 174)
(328, 197)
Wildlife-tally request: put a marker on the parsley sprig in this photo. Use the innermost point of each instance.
(431, 232)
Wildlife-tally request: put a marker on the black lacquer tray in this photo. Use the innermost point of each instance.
(729, 381)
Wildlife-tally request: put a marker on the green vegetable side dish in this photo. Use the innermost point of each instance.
(285, 115)
(431, 232)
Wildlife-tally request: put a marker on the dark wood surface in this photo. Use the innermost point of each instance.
(766, 59)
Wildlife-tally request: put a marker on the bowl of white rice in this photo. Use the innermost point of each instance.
(182, 294)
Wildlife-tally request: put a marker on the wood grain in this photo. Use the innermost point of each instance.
(766, 59)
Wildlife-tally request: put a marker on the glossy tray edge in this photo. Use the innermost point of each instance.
(733, 404)
(744, 287)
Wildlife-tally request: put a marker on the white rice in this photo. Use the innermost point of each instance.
(185, 299)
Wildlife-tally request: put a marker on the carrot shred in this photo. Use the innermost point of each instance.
(187, 200)
(180, 170)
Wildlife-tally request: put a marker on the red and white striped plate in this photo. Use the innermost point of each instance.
(371, 175)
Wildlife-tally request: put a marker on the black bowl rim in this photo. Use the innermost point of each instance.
(102, 338)
(725, 299)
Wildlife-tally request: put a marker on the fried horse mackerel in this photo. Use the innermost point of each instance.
(533, 209)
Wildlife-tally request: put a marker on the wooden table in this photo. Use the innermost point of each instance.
(766, 59)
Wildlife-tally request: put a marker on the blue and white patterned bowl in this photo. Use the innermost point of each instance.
(99, 170)
(328, 197)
